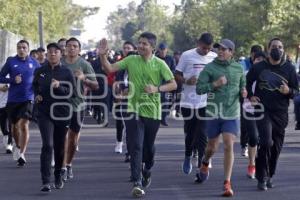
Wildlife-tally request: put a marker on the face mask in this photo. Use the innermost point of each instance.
(276, 54)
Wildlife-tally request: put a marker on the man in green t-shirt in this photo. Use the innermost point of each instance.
(145, 72)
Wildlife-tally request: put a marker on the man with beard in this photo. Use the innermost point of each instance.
(276, 84)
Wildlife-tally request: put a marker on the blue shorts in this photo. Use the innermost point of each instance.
(215, 127)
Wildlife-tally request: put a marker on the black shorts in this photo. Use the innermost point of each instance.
(19, 110)
(76, 121)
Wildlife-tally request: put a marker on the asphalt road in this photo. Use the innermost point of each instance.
(99, 173)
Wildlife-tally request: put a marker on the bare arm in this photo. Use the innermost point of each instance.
(179, 78)
(167, 87)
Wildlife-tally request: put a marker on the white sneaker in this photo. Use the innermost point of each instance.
(5, 140)
(118, 147)
(244, 152)
(52, 162)
(16, 153)
(210, 165)
(9, 149)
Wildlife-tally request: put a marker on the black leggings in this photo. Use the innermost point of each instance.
(5, 125)
(271, 129)
(194, 130)
(53, 135)
(249, 129)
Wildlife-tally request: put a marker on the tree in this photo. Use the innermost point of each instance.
(21, 17)
(128, 23)
(193, 18)
(117, 21)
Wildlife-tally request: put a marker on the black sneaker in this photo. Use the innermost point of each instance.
(127, 158)
(70, 174)
(146, 179)
(198, 178)
(270, 183)
(63, 174)
(262, 185)
(137, 190)
(164, 123)
(297, 127)
(58, 183)
(21, 162)
(46, 188)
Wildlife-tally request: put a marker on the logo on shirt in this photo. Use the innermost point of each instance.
(30, 65)
(42, 75)
(15, 65)
(270, 80)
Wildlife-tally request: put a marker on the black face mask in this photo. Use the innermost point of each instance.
(276, 54)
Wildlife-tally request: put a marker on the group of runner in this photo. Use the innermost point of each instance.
(213, 84)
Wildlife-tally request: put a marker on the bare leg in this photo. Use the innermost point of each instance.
(23, 125)
(212, 147)
(15, 133)
(72, 142)
(228, 140)
(252, 154)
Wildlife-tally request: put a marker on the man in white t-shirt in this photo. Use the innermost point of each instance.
(4, 125)
(190, 65)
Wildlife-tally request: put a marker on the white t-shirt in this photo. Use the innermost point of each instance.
(3, 97)
(191, 64)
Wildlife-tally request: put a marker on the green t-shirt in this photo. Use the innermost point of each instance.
(78, 101)
(140, 74)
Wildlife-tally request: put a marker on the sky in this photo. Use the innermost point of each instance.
(95, 25)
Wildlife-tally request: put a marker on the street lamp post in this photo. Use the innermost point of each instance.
(40, 14)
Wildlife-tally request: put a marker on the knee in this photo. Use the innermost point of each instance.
(228, 147)
(253, 142)
(212, 148)
(72, 141)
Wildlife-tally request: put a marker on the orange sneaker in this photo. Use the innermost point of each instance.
(228, 192)
(251, 171)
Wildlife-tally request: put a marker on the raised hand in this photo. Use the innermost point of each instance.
(103, 47)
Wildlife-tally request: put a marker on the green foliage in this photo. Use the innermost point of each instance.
(21, 17)
(243, 21)
(129, 22)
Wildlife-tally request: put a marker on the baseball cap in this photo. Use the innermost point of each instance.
(162, 46)
(54, 45)
(226, 43)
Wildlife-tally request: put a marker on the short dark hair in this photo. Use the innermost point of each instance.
(259, 54)
(62, 39)
(255, 48)
(151, 37)
(273, 39)
(129, 43)
(73, 39)
(206, 38)
(33, 51)
(23, 41)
